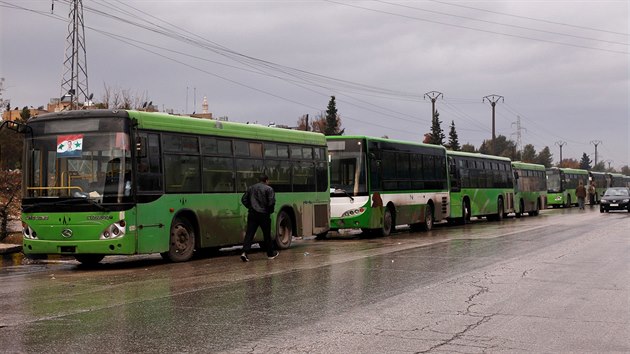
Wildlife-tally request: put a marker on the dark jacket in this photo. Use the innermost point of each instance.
(260, 197)
(580, 191)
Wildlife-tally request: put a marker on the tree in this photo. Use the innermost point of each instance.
(25, 114)
(437, 134)
(468, 148)
(333, 121)
(529, 154)
(544, 157)
(11, 148)
(585, 162)
(10, 196)
(117, 98)
(600, 167)
(453, 139)
(625, 170)
(570, 163)
(504, 147)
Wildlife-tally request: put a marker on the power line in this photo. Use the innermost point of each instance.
(502, 24)
(476, 29)
(528, 18)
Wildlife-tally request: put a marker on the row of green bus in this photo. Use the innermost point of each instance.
(116, 182)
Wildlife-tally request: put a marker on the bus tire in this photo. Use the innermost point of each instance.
(499, 216)
(284, 230)
(322, 236)
(536, 211)
(427, 225)
(388, 222)
(182, 241)
(89, 259)
(521, 209)
(466, 212)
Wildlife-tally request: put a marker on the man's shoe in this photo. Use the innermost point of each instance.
(275, 254)
(244, 257)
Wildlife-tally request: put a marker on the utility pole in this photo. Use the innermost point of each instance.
(74, 83)
(493, 99)
(433, 96)
(560, 143)
(596, 142)
(609, 162)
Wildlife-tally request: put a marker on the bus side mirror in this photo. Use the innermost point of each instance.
(516, 175)
(141, 147)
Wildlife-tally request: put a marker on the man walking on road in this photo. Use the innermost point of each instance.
(580, 193)
(260, 200)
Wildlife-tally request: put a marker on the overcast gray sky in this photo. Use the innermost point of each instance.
(561, 66)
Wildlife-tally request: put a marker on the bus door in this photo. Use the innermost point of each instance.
(152, 219)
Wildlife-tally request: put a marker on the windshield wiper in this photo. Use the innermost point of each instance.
(343, 191)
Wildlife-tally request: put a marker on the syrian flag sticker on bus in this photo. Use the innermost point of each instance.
(69, 145)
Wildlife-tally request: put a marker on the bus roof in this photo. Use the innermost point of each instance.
(569, 170)
(477, 155)
(184, 124)
(385, 140)
(528, 166)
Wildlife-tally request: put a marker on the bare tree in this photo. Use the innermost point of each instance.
(10, 199)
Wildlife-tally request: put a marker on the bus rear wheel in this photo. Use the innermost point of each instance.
(427, 225)
(521, 209)
(284, 230)
(89, 259)
(182, 241)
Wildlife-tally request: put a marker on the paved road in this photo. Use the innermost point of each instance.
(557, 282)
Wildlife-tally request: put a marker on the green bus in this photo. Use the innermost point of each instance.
(530, 189)
(116, 182)
(618, 180)
(601, 180)
(480, 185)
(378, 183)
(561, 184)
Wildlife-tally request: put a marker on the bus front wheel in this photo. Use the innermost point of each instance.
(388, 223)
(284, 230)
(182, 242)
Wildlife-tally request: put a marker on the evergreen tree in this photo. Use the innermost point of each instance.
(437, 134)
(544, 157)
(453, 139)
(585, 162)
(529, 154)
(333, 122)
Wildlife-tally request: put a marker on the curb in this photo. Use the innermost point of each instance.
(9, 248)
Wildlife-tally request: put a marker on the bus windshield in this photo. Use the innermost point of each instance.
(347, 167)
(554, 183)
(94, 166)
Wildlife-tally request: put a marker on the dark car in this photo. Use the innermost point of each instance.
(615, 198)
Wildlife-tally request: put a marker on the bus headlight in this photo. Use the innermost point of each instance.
(28, 232)
(353, 212)
(115, 230)
(558, 198)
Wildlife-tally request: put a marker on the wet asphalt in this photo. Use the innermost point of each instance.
(556, 282)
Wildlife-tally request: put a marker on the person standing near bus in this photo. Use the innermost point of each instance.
(260, 200)
(580, 193)
(592, 191)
